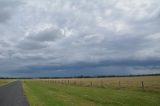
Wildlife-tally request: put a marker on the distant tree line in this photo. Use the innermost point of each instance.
(81, 76)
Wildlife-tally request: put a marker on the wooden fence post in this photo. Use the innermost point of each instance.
(91, 83)
(142, 84)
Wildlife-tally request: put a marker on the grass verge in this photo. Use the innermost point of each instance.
(40, 93)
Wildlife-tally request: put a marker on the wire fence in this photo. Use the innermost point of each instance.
(141, 83)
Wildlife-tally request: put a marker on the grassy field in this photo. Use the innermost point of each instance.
(58, 93)
(2, 81)
(149, 82)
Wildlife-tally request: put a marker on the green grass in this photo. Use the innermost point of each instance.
(40, 93)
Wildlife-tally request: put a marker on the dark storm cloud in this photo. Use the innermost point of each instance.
(79, 37)
(123, 67)
(40, 40)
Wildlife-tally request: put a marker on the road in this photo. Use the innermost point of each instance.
(12, 95)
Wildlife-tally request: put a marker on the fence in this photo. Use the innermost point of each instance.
(142, 83)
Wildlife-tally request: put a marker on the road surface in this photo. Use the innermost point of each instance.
(12, 95)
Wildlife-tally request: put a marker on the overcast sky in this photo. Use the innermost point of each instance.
(79, 37)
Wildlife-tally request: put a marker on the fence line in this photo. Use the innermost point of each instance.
(101, 83)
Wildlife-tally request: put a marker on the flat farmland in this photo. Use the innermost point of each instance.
(117, 91)
(2, 81)
(145, 82)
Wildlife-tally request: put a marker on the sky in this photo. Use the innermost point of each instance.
(57, 38)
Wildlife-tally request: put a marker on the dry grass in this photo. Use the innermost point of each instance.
(2, 81)
(150, 82)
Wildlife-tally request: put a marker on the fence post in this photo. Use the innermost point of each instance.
(142, 84)
(91, 83)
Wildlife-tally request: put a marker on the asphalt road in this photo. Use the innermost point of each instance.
(12, 95)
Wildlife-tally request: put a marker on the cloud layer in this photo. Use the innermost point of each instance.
(79, 37)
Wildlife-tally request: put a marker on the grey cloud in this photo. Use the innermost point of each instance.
(4, 43)
(7, 8)
(30, 45)
(46, 35)
(4, 16)
(40, 40)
